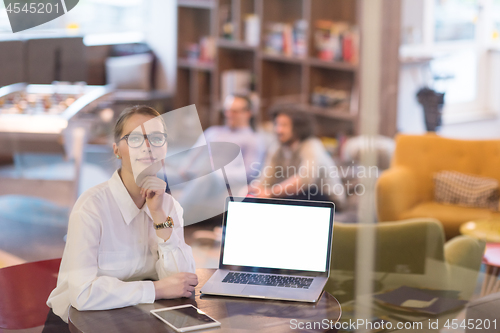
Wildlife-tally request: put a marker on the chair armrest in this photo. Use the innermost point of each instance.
(396, 193)
(464, 251)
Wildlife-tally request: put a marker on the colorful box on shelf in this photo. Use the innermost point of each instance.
(336, 41)
(203, 51)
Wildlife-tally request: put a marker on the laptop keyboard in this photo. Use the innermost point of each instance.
(268, 280)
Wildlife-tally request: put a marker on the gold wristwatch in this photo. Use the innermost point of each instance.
(169, 223)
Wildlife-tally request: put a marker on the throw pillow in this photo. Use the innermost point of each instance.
(466, 190)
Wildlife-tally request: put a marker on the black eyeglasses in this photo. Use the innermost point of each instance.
(135, 140)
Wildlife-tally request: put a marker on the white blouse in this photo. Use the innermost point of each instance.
(112, 247)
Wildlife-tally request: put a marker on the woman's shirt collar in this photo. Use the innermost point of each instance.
(123, 199)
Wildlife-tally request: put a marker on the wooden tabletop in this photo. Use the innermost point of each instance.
(235, 314)
(487, 230)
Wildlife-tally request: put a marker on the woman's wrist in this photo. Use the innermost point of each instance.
(157, 290)
(159, 216)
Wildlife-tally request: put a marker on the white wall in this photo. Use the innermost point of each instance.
(493, 64)
(413, 76)
(161, 35)
(412, 18)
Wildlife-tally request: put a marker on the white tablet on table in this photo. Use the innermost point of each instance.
(185, 318)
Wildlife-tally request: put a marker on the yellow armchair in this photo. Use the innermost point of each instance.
(406, 189)
(400, 181)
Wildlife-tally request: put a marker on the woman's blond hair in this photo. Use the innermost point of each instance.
(129, 112)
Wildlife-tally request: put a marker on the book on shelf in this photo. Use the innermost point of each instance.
(287, 39)
(300, 38)
(350, 47)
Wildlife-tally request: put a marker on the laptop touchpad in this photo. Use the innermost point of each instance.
(271, 292)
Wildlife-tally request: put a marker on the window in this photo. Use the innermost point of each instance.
(495, 16)
(457, 35)
(90, 17)
(455, 73)
(455, 20)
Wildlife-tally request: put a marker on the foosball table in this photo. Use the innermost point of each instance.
(47, 119)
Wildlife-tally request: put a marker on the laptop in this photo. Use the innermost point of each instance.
(274, 249)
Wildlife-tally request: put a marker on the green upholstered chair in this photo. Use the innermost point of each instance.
(410, 252)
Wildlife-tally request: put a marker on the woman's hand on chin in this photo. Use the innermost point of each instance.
(153, 190)
(175, 286)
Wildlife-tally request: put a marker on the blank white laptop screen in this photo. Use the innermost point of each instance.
(277, 236)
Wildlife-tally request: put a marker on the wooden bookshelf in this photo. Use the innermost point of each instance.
(345, 66)
(235, 45)
(278, 79)
(281, 58)
(194, 64)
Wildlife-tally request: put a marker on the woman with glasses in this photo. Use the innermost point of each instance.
(125, 242)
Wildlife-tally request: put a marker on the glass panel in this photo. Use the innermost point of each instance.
(455, 20)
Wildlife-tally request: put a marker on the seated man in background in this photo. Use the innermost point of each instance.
(300, 167)
(205, 196)
(238, 116)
